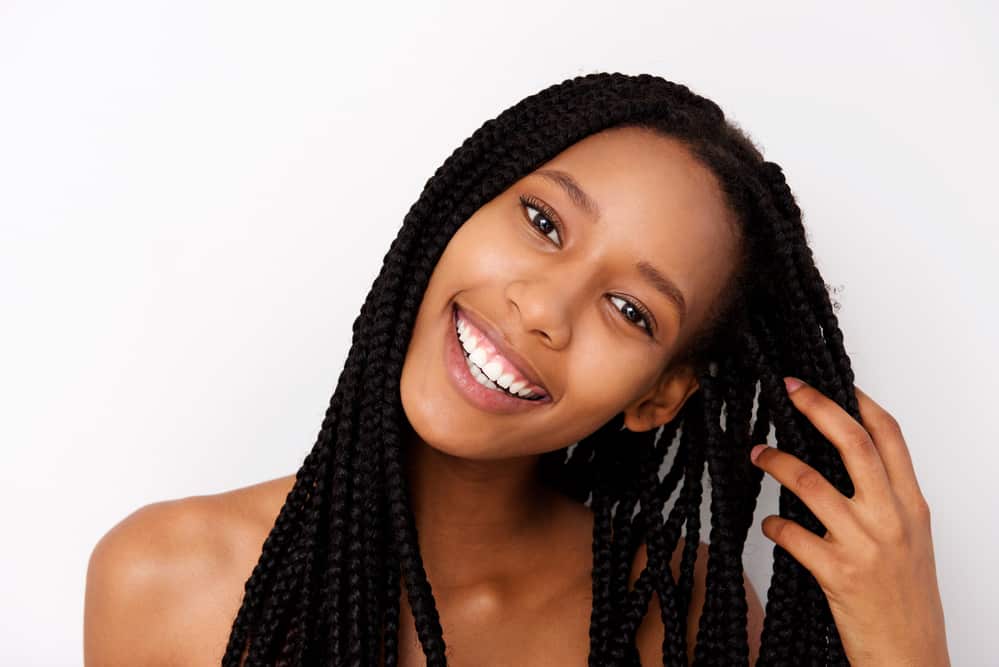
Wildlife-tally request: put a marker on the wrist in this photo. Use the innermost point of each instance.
(929, 656)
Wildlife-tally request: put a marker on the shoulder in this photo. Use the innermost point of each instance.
(650, 634)
(164, 583)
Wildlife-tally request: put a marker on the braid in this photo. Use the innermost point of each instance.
(343, 549)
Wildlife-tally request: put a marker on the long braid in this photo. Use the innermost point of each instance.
(715, 631)
(343, 549)
(694, 494)
(607, 483)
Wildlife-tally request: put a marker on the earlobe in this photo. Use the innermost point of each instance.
(661, 404)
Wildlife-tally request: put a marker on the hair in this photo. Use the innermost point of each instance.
(326, 588)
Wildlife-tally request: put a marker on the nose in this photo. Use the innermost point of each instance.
(543, 309)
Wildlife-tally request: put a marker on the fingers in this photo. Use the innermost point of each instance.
(830, 506)
(891, 445)
(805, 546)
(877, 459)
(854, 443)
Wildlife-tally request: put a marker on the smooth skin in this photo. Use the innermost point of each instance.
(509, 560)
(164, 584)
(875, 563)
(495, 542)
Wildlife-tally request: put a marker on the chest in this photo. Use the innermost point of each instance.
(502, 633)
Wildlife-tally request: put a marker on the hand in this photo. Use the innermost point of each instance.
(875, 563)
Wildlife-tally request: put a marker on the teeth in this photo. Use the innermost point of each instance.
(477, 374)
(493, 370)
(478, 357)
(489, 373)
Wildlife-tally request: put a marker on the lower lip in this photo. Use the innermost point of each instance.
(477, 394)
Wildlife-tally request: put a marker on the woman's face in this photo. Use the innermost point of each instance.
(560, 297)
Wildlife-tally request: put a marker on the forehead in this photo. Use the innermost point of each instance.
(656, 203)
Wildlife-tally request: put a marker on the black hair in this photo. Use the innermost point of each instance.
(326, 588)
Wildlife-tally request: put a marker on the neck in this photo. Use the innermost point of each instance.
(474, 518)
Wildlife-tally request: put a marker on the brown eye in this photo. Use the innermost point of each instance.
(542, 219)
(635, 314)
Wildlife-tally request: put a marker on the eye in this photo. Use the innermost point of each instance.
(635, 309)
(542, 218)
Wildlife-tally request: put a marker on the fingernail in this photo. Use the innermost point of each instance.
(754, 453)
(792, 383)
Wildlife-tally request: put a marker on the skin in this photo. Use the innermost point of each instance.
(508, 559)
(486, 524)
(878, 542)
(164, 584)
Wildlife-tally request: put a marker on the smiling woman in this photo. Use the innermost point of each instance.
(564, 287)
(606, 273)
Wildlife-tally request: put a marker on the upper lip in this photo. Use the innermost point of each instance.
(502, 345)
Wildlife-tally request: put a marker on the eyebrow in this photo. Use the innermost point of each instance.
(663, 285)
(572, 189)
(652, 275)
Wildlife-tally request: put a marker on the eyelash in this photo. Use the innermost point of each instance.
(527, 201)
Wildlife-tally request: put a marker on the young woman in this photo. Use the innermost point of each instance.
(597, 296)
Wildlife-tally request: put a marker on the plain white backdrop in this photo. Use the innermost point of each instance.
(196, 196)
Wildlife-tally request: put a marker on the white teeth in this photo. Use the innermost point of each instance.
(489, 373)
(469, 341)
(482, 379)
(493, 370)
(477, 374)
(478, 357)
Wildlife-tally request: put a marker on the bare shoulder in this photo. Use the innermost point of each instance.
(650, 633)
(164, 583)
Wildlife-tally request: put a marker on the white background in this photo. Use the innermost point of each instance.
(196, 196)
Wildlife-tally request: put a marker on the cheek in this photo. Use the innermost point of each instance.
(491, 243)
(478, 259)
(467, 260)
(606, 375)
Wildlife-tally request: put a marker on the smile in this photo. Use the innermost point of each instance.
(485, 371)
(490, 368)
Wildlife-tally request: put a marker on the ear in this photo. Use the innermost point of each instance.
(660, 404)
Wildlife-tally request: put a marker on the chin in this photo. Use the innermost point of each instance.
(437, 435)
(428, 426)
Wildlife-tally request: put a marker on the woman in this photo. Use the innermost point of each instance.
(580, 290)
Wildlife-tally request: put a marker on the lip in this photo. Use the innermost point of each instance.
(499, 341)
(465, 384)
